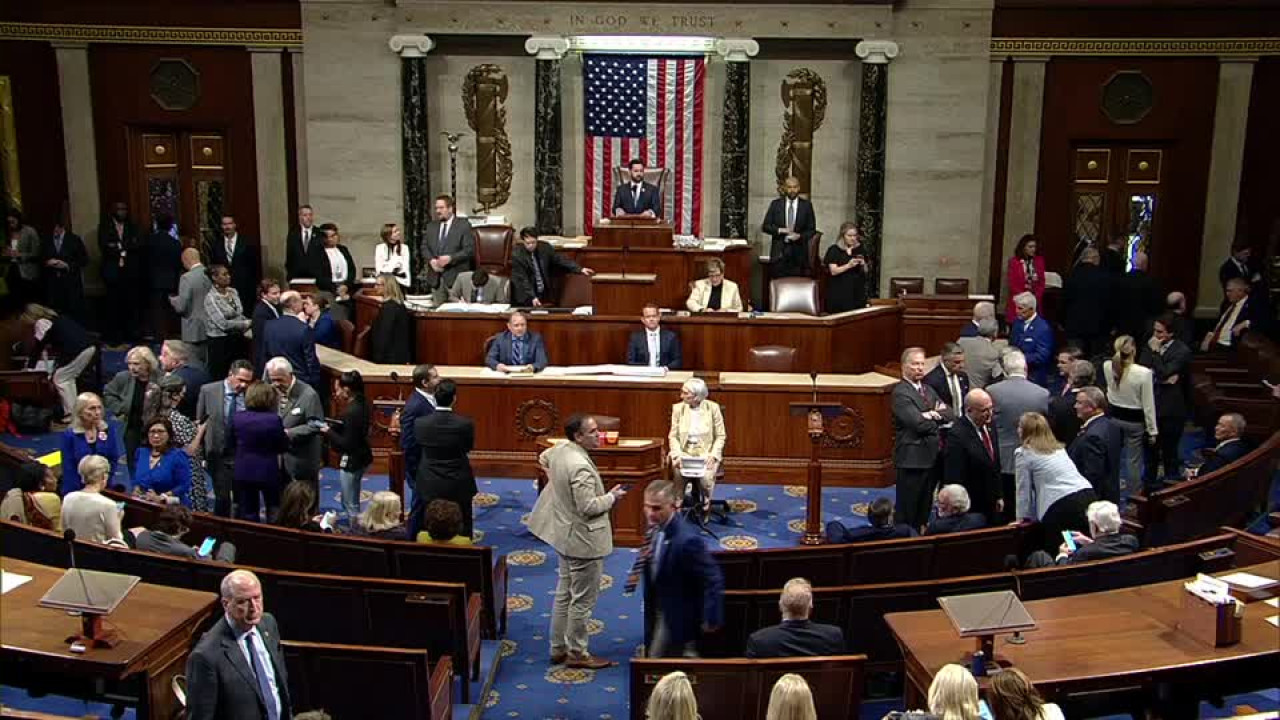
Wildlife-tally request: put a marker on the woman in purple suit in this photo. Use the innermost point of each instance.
(257, 438)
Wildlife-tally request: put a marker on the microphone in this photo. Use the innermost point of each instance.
(1011, 567)
(813, 379)
(70, 536)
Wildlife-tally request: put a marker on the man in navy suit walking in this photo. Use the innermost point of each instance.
(637, 197)
(1032, 335)
(653, 346)
(682, 582)
(290, 337)
(420, 403)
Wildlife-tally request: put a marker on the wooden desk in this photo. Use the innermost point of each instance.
(633, 462)
(157, 626)
(1102, 641)
(632, 232)
(847, 343)
(618, 294)
(930, 321)
(765, 444)
(676, 268)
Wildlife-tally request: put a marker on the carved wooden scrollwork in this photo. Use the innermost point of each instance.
(484, 97)
(804, 107)
(535, 418)
(845, 430)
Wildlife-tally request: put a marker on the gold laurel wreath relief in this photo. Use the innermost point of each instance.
(804, 107)
(484, 97)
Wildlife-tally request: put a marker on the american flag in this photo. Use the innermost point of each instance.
(651, 108)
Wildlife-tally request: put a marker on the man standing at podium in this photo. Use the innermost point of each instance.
(572, 516)
(791, 223)
(637, 197)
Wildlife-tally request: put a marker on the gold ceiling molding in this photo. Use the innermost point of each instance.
(144, 35)
(1218, 47)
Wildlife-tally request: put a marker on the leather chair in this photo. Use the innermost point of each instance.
(951, 286)
(348, 330)
(607, 423)
(360, 348)
(771, 358)
(660, 177)
(575, 291)
(817, 270)
(794, 295)
(908, 285)
(493, 248)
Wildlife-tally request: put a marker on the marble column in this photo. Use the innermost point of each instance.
(1023, 177)
(301, 166)
(735, 140)
(413, 51)
(548, 137)
(1222, 196)
(81, 147)
(267, 74)
(872, 115)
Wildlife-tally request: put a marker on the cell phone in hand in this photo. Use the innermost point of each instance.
(1069, 539)
(206, 547)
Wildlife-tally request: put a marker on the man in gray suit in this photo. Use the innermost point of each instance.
(449, 247)
(189, 302)
(480, 287)
(218, 402)
(1013, 396)
(918, 415)
(572, 516)
(237, 670)
(303, 417)
(981, 356)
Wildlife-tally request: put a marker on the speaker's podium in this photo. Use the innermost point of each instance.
(632, 231)
(633, 462)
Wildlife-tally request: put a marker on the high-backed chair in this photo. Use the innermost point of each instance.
(908, 285)
(607, 423)
(661, 177)
(771, 358)
(951, 286)
(360, 348)
(815, 268)
(493, 248)
(348, 331)
(794, 295)
(575, 290)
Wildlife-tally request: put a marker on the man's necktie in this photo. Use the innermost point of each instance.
(1221, 326)
(284, 404)
(517, 351)
(986, 440)
(57, 244)
(956, 395)
(479, 294)
(306, 239)
(641, 564)
(538, 283)
(230, 409)
(444, 230)
(791, 215)
(635, 192)
(231, 250)
(264, 684)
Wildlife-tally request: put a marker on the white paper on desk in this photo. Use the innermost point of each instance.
(583, 310)
(1274, 602)
(1211, 589)
(1246, 580)
(474, 307)
(9, 581)
(1274, 620)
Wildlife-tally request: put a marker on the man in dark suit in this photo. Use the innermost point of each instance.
(1139, 300)
(63, 257)
(1230, 447)
(972, 457)
(163, 269)
(289, 336)
(267, 309)
(516, 349)
(240, 256)
(449, 247)
(303, 418)
(533, 263)
(176, 359)
(1096, 448)
(1062, 408)
(791, 222)
(1086, 304)
(880, 526)
(982, 309)
(444, 439)
(681, 580)
(304, 247)
(121, 249)
(796, 636)
(653, 346)
(917, 416)
(219, 402)
(949, 379)
(1032, 335)
(1176, 304)
(953, 512)
(637, 197)
(237, 670)
(1060, 381)
(1103, 541)
(1240, 315)
(420, 403)
(1241, 265)
(1170, 361)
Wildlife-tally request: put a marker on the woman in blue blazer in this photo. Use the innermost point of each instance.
(161, 468)
(90, 434)
(257, 438)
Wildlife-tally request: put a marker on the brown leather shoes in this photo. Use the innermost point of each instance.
(558, 658)
(589, 662)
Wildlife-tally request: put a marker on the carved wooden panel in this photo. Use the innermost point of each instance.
(484, 96)
(804, 106)
(159, 151)
(1127, 97)
(208, 152)
(1092, 165)
(1142, 167)
(175, 84)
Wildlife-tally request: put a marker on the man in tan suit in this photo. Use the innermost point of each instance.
(572, 516)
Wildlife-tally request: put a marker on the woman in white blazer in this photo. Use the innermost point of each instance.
(391, 256)
(697, 430)
(703, 296)
(1131, 395)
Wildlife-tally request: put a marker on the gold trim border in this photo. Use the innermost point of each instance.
(1219, 47)
(143, 35)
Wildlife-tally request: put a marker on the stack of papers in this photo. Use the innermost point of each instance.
(474, 307)
(621, 370)
(1210, 589)
(9, 581)
(1246, 580)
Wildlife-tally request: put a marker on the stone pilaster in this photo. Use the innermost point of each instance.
(1025, 119)
(735, 140)
(413, 50)
(301, 164)
(269, 143)
(81, 147)
(872, 115)
(548, 137)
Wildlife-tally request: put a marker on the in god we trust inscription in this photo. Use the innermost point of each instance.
(642, 21)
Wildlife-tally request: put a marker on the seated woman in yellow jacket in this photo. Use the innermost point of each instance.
(714, 292)
(697, 430)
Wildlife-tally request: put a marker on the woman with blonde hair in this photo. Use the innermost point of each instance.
(1050, 490)
(125, 396)
(391, 334)
(384, 518)
(791, 699)
(1013, 697)
(953, 695)
(391, 256)
(1131, 395)
(846, 263)
(672, 699)
(91, 433)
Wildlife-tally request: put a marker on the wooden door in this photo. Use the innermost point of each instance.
(1116, 192)
(181, 173)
